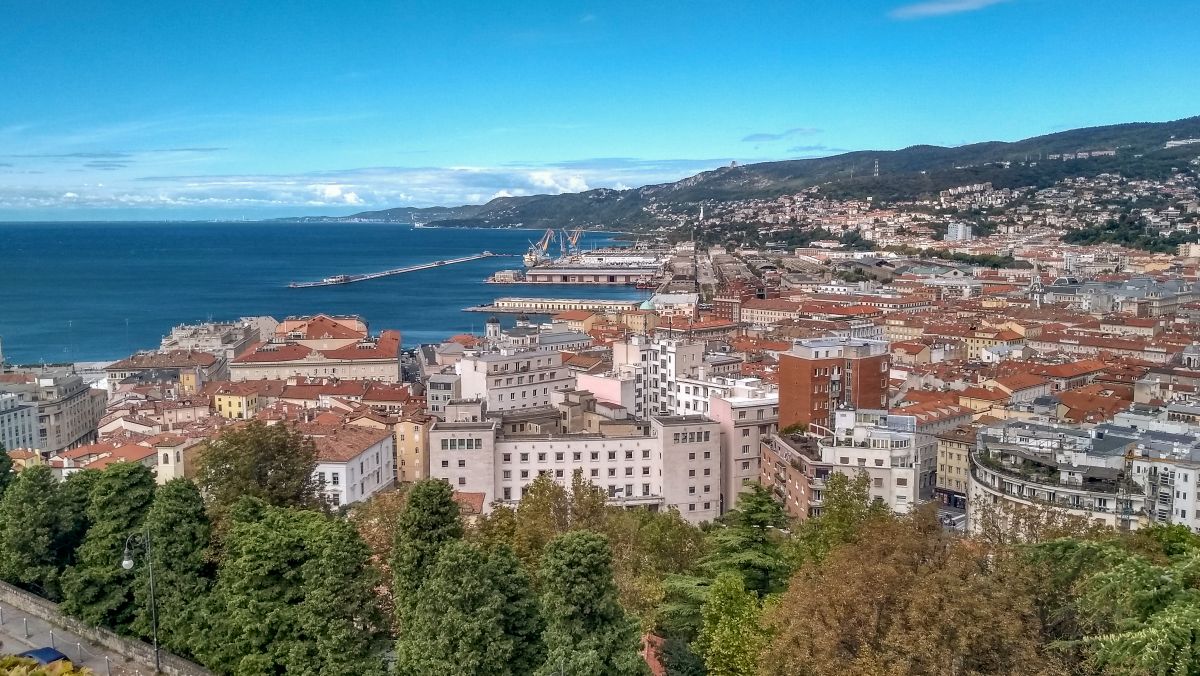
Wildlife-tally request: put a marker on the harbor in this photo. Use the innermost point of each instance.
(350, 279)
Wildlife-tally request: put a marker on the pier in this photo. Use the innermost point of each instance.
(350, 279)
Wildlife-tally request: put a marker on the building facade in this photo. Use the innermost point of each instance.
(819, 375)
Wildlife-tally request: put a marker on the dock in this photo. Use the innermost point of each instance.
(350, 279)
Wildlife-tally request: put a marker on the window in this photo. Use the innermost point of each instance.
(506, 457)
(707, 455)
(445, 444)
(558, 457)
(595, 455)
(745, 431)
(595, 472)
(462, 481)
(508, 474)
(445, 463)
(612, 471)
(629, 455)
(558, 473)
(612, 455)
(645, 489)
(877, 482)
(507, 493)
(746, 464)
(646, 454)
(691, 456)
(334, 479)
(879, 462)
(462, 463)
(628, 471)
(524, 474)
(902, 481)
(645, 471)
(166, 458)
(691, 508)
(708, 505)
(691, 489)
(541, 457)
(321, 477)
(576, 455)
(691, 472)
(707, 471)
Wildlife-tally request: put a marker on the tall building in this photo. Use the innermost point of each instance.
(18, 423)
(819, 375)
(669, 461)
(513, 378)
(959, 232)
(68, 410)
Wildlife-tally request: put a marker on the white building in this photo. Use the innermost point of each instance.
(959, 232)
(670, 462)
(353, 462)
(513, 378)
(18, 423)
(868, 441)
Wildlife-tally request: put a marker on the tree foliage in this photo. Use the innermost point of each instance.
(179, 534)
(905, 598)
(294, 595)
(97, 589)
(587, 632)
(731, 636)
(429, 521)
(6, 470)
(274, 463)
(29, 520)
(475, 616)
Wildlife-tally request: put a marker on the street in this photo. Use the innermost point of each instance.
(82, 653)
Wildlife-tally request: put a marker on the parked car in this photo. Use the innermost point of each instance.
(44, 656)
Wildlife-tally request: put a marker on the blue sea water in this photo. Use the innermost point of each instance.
(99, 291)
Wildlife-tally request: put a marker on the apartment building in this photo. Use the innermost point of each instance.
(68, 410)
(18, 423)
(353, 462)
(819, 375)
(511, 379)
(362, 358)
(669, 462)
(747, 411)
(954, 466)
(226, 340)
(796, 467)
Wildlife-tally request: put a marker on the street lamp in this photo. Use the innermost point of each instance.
(127, 564)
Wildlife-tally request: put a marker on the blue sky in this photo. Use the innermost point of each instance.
(175, 109)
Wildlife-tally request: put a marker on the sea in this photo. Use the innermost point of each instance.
(74, 292)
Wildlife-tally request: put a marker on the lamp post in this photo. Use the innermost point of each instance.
(127, 564)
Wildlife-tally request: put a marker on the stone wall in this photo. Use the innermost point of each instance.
(132, 649)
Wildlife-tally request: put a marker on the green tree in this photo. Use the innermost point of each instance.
(587, 632)
(497, 529)
(748, 542)
(846, 506)
(340, 615)
(520, 615)
(294, 595)
(430, 520)
(74, 495)
(460, 623)
(274, 463)
(28, 524)
(97, 589)
(179, 534)
(543, 514)
(6, 470)
(731, 637)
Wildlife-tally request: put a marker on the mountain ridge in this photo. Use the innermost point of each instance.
(907, 173)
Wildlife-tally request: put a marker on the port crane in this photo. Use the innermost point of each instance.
(570, 240)
(537, 251)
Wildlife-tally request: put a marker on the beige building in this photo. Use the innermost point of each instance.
(670, 462)
(68, 410)
(954, 465)
(190, 368)
(361, 358)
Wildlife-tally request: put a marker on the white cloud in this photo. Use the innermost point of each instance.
(921, 10)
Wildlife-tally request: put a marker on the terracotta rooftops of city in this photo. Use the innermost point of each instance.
(574, 315)
(471, 504)
(322, 326)
(164, 360)
(340, 443)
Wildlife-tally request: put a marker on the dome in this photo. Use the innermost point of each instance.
(646, 305)
(493, 320)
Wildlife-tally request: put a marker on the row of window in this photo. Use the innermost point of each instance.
(558, 473)
(690, 437)
(462, 444)
(576, 456)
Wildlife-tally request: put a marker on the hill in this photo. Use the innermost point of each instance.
(910, 173)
